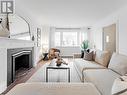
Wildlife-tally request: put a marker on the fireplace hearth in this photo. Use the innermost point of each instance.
(19, 63)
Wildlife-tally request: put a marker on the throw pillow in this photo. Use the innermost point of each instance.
(118, 63)
(120, 86)
(102, 57)
(88, 56)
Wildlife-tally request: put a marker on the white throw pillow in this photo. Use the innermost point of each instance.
(118, 63)
(120, 86)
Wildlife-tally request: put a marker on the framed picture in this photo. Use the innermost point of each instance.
(38, 37)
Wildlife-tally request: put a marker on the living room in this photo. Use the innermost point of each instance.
(85, 39)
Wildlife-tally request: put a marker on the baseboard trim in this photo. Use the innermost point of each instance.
(3, 87)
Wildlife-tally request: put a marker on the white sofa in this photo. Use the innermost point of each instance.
(98, 79)
(100, 61)
(102, 77)
(54, 89)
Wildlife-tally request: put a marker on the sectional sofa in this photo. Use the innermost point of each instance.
(100, 77)
(102, 71)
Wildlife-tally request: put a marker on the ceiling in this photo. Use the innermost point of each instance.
(73, 13)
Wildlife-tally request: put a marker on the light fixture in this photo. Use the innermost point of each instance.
(107, 39)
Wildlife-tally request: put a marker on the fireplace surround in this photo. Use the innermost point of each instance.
(18, 60)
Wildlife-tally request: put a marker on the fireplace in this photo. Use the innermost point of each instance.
(19, 63)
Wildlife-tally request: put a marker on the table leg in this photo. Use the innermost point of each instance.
(69, 75)
(46, 75)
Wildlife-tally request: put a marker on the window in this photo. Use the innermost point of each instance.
(69, 38)
(57, 39)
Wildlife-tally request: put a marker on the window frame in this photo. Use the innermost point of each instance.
(79, 39)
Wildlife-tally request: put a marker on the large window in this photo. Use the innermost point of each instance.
(57, 39)
(69, 38)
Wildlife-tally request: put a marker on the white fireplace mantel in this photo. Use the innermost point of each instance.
(15, 43)
(7, 43)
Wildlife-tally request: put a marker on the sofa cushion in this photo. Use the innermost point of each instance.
(54, 89)
(80, 64)
(102, 78)
(120, 86)
(118, 63)
(102, 57)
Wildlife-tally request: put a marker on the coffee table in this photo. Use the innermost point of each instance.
(52, 65)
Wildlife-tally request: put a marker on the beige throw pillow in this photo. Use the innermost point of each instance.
(118, 63)
(102, 57)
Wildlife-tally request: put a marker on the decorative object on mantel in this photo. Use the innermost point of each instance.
(4, 32)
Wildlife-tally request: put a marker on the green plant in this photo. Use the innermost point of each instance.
(85, 44)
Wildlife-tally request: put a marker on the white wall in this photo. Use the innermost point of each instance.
(123, 33)
(45, 35)
(120, 18)
(96, 38)
(3, 69)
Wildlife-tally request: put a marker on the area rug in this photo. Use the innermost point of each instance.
(55, 75)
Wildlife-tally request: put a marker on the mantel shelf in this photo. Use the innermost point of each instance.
(15, 43)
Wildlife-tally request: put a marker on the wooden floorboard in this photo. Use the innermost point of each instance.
(26, 77)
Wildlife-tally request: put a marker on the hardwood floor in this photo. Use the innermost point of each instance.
(23, 79)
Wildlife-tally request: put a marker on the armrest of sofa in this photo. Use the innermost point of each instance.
(90, 68)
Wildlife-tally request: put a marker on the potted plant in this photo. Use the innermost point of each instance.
(84, 46)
